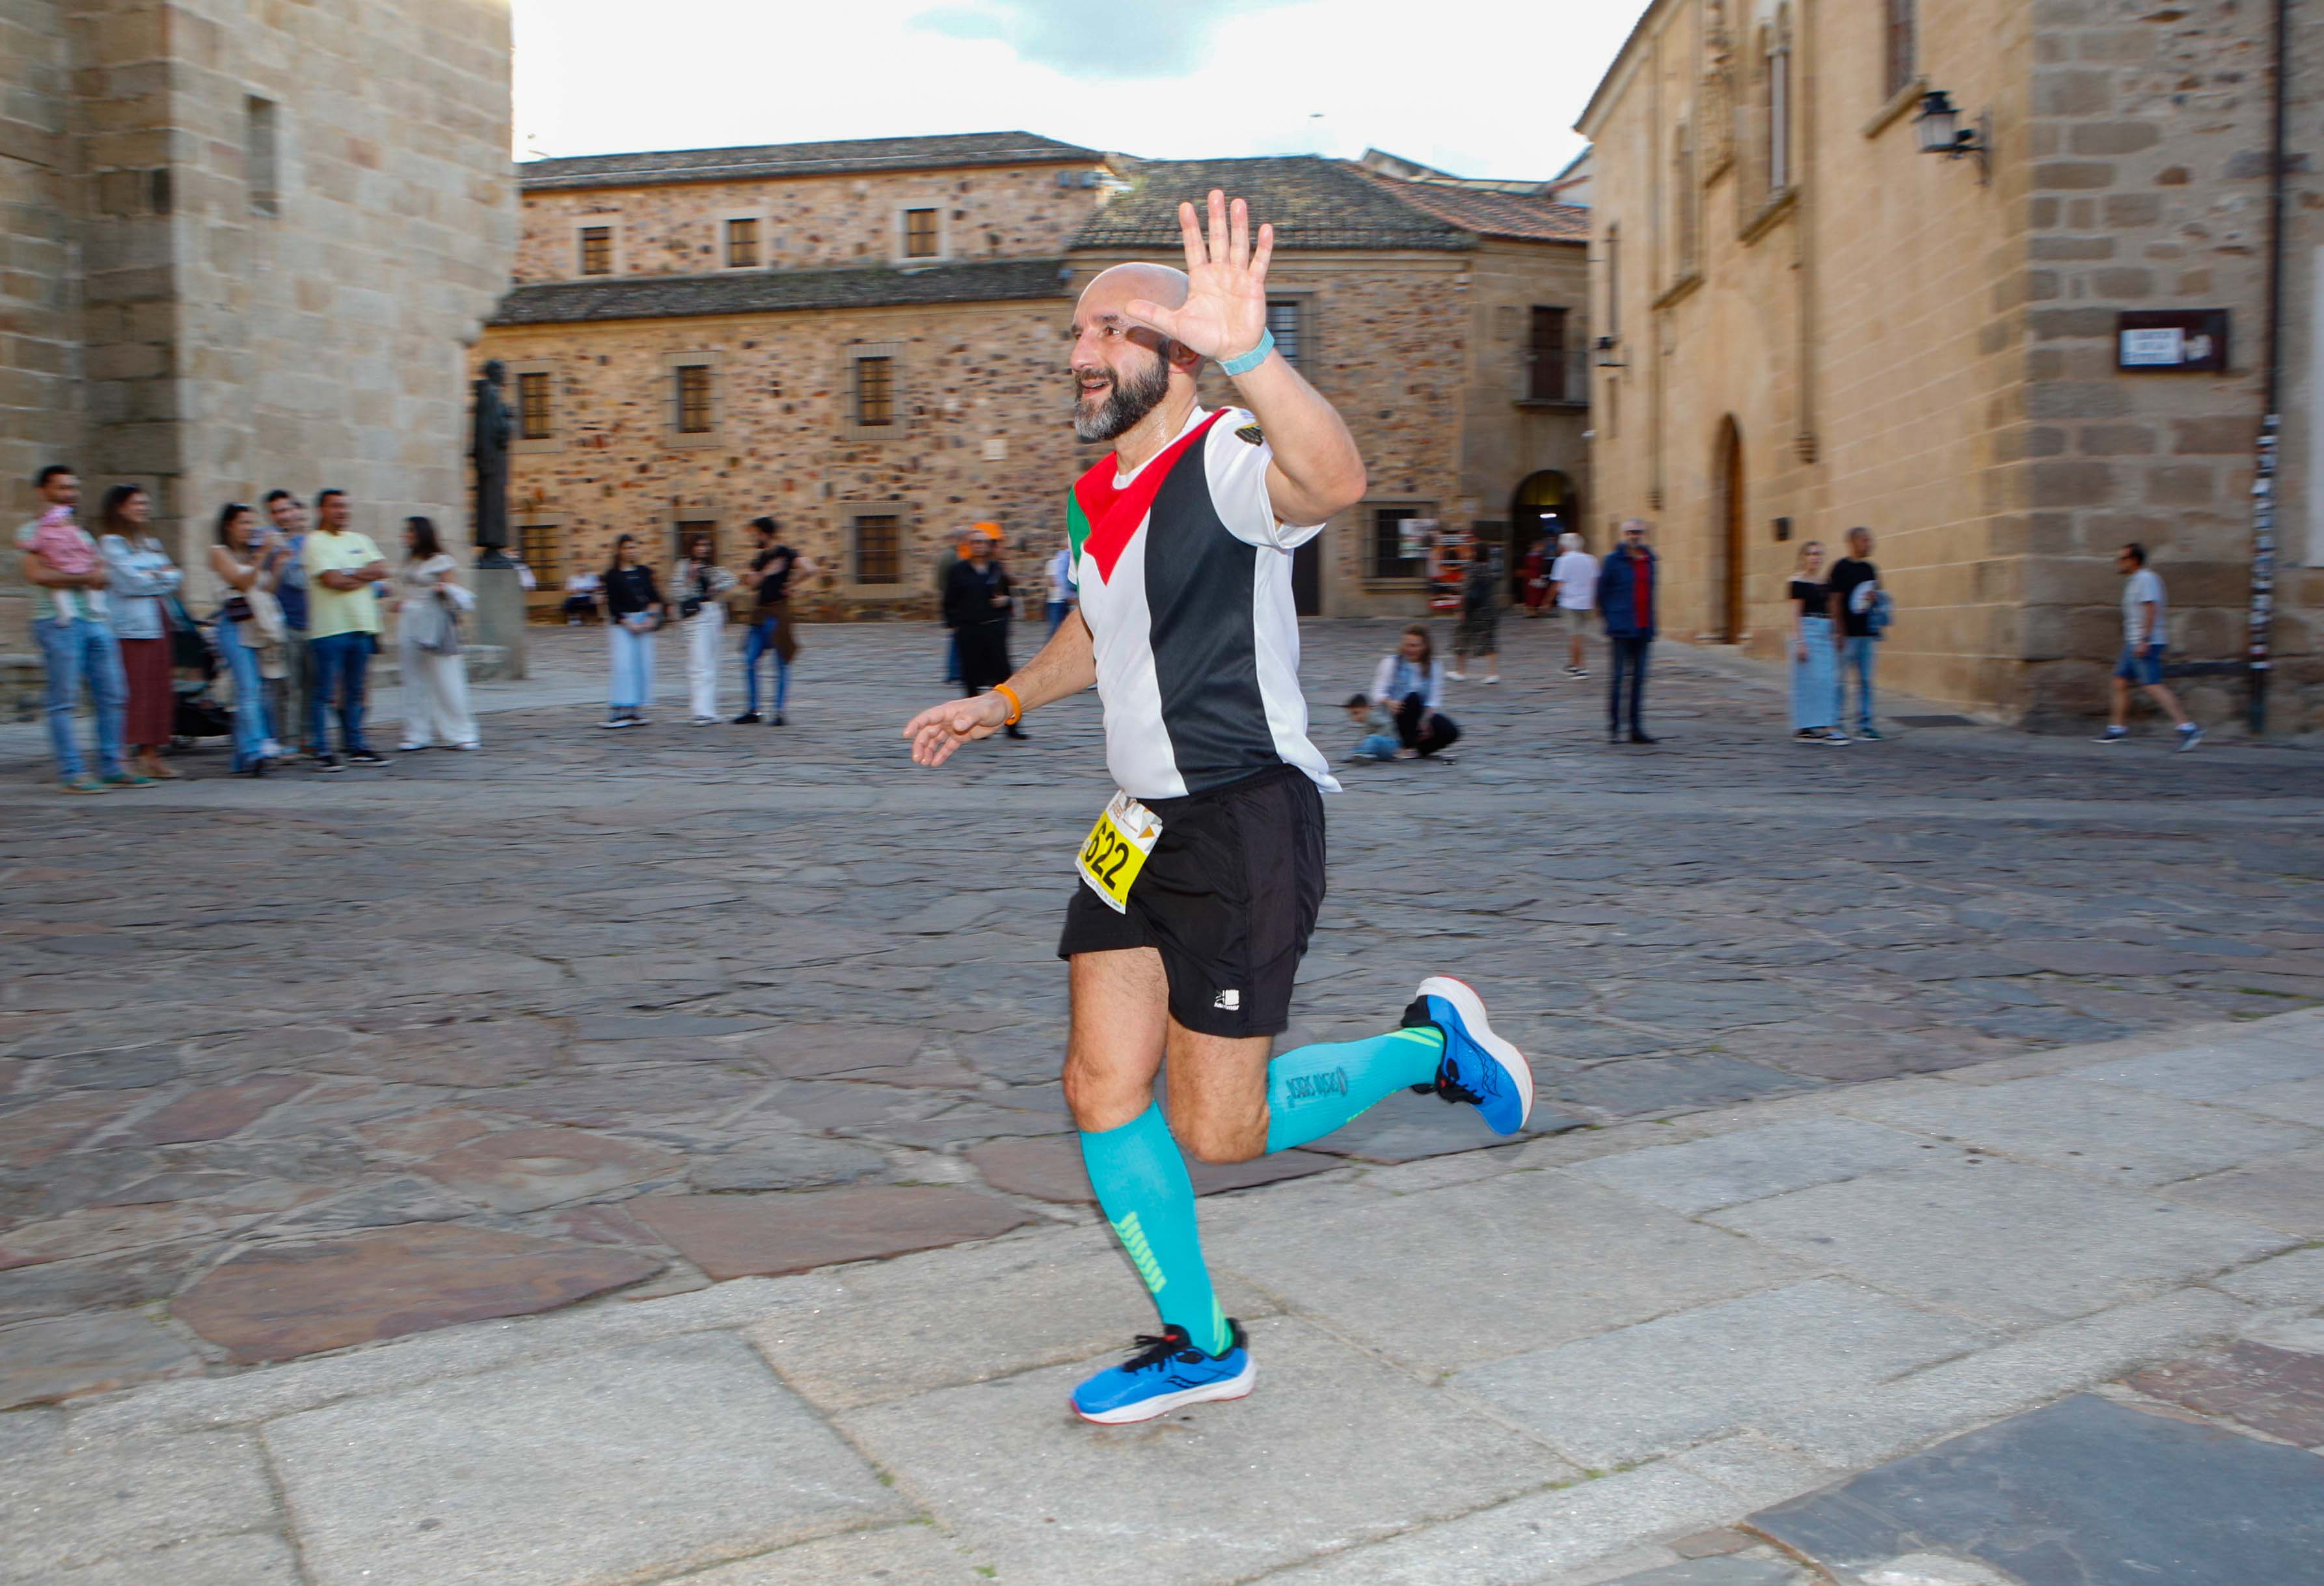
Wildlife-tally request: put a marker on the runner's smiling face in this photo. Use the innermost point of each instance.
(1120, 369)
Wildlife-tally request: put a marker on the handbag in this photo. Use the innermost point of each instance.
(432, 626)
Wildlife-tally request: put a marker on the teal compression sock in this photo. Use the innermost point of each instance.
(1142, 1185)
(1315, 1090)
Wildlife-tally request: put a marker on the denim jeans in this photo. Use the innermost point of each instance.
(1057, 612)
(1379, 746)
(72, 651)
(1626, 655)
(1861, 654)
(760, 640)
(250, 728)
(339, 662)
(633, 658)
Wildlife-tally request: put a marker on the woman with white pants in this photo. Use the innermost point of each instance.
(699, 586)
(428, 600)
(633, 610)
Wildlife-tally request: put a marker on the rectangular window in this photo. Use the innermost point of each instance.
(532, 418)
(693, 417)
(1779, 119)
(686, 531)
(743, 243)
(1545, 353)
(1388, 558)
(1285, 319)
(875, 392)
(263, 155)
(539, 547)
(1904, 45)
(878, 552)
(919, 233)
(597, 250)
(1613, 283)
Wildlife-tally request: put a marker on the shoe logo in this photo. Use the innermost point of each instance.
(1315, 1086)
(1230, 1000)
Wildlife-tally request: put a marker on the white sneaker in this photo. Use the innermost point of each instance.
(409, 748)
(1493, 677)
(2189, 737)
(1457, 676)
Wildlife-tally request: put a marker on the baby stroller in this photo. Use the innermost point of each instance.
(193, 670)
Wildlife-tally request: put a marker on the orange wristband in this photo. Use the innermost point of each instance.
(1016, 705)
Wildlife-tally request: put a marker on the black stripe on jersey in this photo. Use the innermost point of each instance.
(1199, 590)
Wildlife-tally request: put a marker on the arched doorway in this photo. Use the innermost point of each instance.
(1726, 590)
(1544, 503)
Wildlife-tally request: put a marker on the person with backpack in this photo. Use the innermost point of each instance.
(1861, 610)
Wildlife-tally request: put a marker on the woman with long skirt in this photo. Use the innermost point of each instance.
(136, 601)
(633, 609)
(699, 585)
(427, 636)
(1815, 659)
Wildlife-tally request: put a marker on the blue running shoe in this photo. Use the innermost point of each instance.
(1478, 1067)
(1164, 1374)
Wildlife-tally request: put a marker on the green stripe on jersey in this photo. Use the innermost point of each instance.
(1077, 524)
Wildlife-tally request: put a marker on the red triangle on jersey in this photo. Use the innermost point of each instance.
(1114, 514)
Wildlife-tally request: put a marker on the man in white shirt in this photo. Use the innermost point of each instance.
(2143, 614)
(1575, 575)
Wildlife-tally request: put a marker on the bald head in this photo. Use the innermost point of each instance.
(1115, 288)
(1123, 367)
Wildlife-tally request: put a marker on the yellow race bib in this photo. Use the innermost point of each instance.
(1110, 861)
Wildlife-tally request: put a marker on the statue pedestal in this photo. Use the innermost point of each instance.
(500, 614)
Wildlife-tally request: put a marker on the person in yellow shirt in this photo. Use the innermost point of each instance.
(342, 628)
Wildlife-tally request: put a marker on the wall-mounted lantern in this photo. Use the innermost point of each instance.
(1941, 130)
(1606, 358)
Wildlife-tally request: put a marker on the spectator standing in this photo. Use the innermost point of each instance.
(246, 565)
(342, 566)
(772, 630)
(287, 695)
(57, 557)
(1409, 685)
(2146, 612)
(142, 579)
(1815, 651)
(976, 608)
(1480, 630)
(1534, 572)
(699, 585)
(581, 592)
(1626, 598)
(428, 600)
(633, 610)
(1574, 574)
(1855, 591)
(1061, 586)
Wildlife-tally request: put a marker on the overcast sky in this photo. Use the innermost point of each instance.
(1483, 87)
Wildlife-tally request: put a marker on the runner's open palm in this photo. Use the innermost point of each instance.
(1225, 311)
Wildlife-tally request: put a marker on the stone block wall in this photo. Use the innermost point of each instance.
(2149, 144)
(813, 222)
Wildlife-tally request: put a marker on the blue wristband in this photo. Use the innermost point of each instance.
(1251, 359)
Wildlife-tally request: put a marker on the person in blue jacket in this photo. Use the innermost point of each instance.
(1626, 602)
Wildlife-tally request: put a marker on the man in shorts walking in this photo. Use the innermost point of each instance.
(1201, 881)
(2144, 614)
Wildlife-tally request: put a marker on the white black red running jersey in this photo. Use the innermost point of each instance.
(1186, 584)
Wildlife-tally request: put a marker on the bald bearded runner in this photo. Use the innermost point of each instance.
(1200, 881)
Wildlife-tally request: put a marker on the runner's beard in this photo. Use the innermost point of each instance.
(1130, 400)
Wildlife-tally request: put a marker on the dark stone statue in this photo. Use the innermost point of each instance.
(490, 448)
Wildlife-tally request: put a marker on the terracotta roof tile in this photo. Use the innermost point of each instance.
(752, 292)
(1492, 214)
(848, 155)
(1312, 203)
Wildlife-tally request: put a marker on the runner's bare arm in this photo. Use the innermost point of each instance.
(1317, 469)
(1065, 665)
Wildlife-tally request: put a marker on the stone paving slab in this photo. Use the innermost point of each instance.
(2003, 1242)
(1198, 1498)
(2285, 1192)
(1699, 1374)
(1522, 1261)
(255, 1558)
(738, 1236)
(680, 1451)
(1751, 1165)
(914, 1554)
(89, 1353)
(65, 1508)
(2279, 1392)
(2082, 1492)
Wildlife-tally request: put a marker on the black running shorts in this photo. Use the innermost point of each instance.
(1228, 898)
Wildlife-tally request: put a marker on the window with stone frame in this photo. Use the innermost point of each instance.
(1904, 46)
(742, 242)
(921, 234)
(875, 392)
(1287, 321)
(685, 531)
(1387, 558)
(1614, 283)
(541, 548)
(1548, 378)
(534, 420)
(597, 250)
(261, 154)
(875, 548)
(1778, 134)
(1683, 204)
(692, 395)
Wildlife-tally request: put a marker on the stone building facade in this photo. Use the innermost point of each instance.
(247, 245)
(868, 339)
(1814, 325)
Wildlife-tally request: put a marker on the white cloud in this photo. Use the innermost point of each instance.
(1480, 87)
